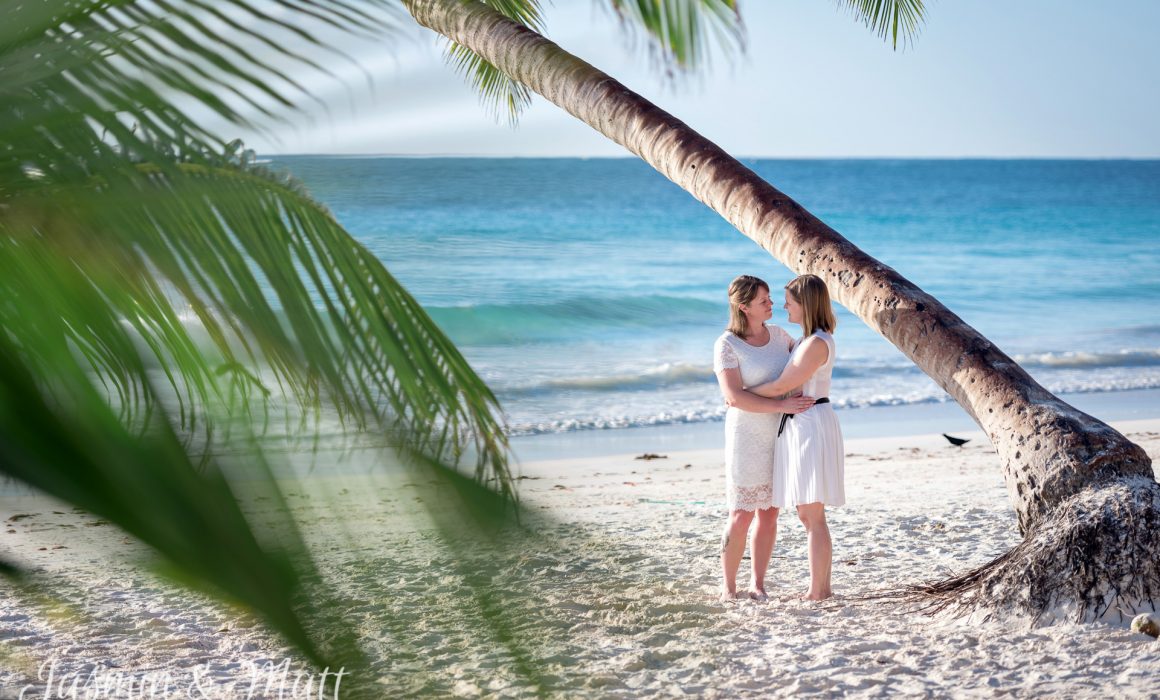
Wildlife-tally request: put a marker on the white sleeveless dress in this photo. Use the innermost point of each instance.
(750, 437)
(810, 457)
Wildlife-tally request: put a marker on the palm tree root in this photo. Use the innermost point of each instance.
(1096, 556)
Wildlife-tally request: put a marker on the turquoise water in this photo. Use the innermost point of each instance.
(588, 293)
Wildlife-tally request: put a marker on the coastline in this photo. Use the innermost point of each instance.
(872, 421)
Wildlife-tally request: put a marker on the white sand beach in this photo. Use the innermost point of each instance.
(615, 599)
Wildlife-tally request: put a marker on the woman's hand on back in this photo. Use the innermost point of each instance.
(797, 404)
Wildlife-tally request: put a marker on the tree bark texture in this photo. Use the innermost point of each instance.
(1050, 451)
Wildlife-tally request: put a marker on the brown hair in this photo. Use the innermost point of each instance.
(742, 291)
(817, 313)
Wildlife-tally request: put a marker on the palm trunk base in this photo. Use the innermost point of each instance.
(1095, 557)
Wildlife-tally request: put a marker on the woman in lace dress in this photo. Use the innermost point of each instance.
(809, 464)
(747, 354)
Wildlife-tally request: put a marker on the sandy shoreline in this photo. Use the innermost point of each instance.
(614, 599)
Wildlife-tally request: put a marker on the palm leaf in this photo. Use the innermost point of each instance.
(893, 19)
(68, 442)
(500, 94)
(680, 33)
(158, 286)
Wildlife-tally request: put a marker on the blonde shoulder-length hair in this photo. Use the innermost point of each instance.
(817, 313)
(742, 291)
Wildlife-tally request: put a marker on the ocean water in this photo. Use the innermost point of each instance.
(588, 293)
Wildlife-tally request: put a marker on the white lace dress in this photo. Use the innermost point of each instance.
(750, 437)
(810, 464)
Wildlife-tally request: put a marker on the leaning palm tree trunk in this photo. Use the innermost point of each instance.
(1086, 498)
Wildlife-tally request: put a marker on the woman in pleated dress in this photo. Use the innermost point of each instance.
(749, 353)
(809, 468)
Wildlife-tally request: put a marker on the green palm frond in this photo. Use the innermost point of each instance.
(681, 32)
(503, 96)
(156, 286)
(889, 19)
(131, 69)
(66, 441)
(271, 277)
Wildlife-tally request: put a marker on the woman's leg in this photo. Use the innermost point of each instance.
(733, 548)
(813, 516)
(764, 537)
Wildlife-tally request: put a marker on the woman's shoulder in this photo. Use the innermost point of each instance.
(820, 344)
(725, 352)
(726, 340)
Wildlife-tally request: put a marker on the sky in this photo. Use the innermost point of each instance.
(984, 78)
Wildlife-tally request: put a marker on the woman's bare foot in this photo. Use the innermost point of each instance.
(759, 595)
(726, 596)
(810, 595)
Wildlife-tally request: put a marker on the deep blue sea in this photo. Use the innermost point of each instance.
(588, 293)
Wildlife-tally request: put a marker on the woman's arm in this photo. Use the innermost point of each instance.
(812, 354)
(737, 397)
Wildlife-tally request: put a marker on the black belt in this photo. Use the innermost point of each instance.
(787, 416)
